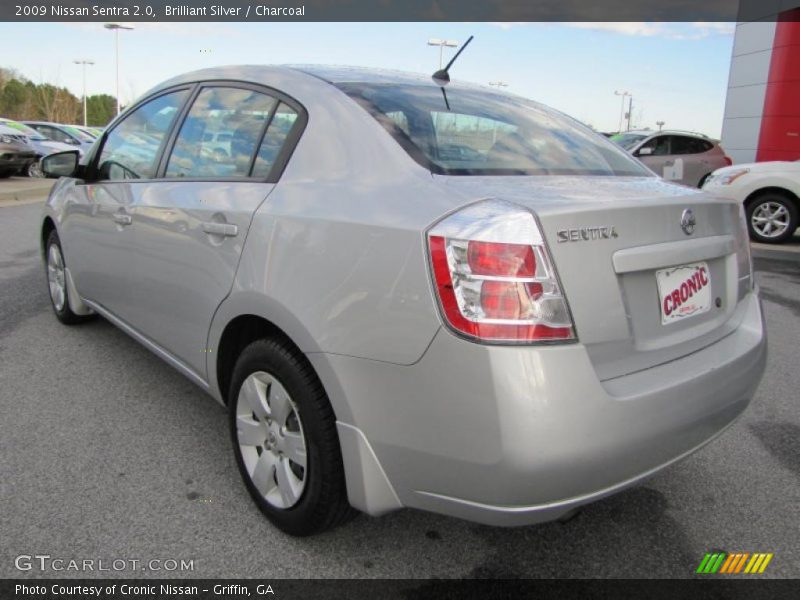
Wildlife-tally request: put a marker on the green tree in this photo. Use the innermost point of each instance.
(100, 109)
(15, 100)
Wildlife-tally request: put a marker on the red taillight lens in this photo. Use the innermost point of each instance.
(497, 301)
(728, 160)
(494, 277)
(501, 260)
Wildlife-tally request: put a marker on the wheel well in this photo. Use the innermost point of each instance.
(238, 334)
(47, 227)
(773, 190)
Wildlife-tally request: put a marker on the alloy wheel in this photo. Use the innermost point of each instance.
(770, 219)
(56, 278)
(271, 440)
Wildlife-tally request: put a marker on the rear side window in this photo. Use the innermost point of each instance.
(274, 139)
(54, 134)
(131, 148)
(689, 145)
(466, 131)
(241, 113)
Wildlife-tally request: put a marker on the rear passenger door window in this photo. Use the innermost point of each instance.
(131, 149)
(660, 146)
(221, 133)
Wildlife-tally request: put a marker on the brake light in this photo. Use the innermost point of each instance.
(494, 277)
(728, 161)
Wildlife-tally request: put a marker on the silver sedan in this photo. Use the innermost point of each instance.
(409, 292)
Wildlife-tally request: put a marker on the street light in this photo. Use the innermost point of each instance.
(498, 84)
(115, 27)
(660, 124)
(622, 108)
(84, 63)
(442, 44)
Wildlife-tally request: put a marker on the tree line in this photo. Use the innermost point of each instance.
(24, 100)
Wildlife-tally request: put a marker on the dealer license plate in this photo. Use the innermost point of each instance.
(683, 292)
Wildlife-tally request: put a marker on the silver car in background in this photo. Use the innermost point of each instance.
(452, 299)
(679, 156)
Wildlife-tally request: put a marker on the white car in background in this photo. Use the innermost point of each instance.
(770, 192)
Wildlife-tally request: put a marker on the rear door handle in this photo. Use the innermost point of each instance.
(224, 229)
(122, 219)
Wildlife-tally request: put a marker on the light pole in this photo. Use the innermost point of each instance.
(498, 84)
(115, 27)
(442, 44)
(84, 63)
(630, 112)
(622, 108)
(660, 124)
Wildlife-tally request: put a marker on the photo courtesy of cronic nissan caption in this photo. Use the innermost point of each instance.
(410, 292)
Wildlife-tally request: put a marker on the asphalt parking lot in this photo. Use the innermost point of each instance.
(107, 453)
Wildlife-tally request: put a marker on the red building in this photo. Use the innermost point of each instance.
(762, 109)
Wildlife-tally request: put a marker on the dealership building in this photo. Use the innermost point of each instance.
(762, 108)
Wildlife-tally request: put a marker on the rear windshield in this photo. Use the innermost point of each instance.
(483, 133)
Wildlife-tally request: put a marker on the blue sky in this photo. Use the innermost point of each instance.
(677, 72)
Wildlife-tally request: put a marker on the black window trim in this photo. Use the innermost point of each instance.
(283, 156)
(168, 143)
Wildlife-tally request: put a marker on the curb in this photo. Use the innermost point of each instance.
(784, 255)
(25, 195)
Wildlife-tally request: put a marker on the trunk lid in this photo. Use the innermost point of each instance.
(608, 236)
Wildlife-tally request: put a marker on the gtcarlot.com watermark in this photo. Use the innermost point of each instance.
(45, 562)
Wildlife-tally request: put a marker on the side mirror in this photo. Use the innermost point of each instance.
(646, 151)
(60, 164)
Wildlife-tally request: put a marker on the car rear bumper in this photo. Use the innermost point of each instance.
(517, 435)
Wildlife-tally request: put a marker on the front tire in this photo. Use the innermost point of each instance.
(34, 169)
(55, 268)
(285, 440)
(771, 218)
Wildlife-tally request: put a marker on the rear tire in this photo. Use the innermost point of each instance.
(285, 440)
(771, 218)
(55, 269)
(6, 173)
(703, 180)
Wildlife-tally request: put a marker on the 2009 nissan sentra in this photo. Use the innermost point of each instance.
(410, 294)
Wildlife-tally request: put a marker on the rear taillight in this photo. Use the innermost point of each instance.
(728, 161)
(494, 278)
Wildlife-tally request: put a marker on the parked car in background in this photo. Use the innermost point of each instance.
(466, 303)
(769, 192)
(15, 152)
(41, 145)
(62, 133)
(682, 157)
(218, 143)
(90, 131)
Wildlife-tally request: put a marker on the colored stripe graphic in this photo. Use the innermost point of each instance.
(736, 562)
(711, 562)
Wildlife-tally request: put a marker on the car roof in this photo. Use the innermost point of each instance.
(304, 74)
(650, 132)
